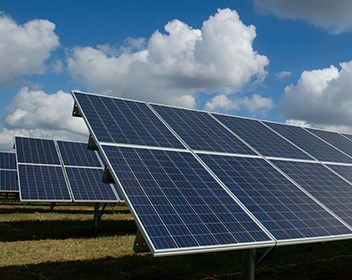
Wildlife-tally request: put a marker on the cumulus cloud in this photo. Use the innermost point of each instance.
(172, 67)
(331, 15)
(256, 104)
(24, 48)
(321, 97)
(38, 114)
(282, 75)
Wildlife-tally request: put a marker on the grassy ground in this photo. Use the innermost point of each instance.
(38, 244)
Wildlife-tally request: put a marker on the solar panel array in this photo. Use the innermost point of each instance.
(60, 171)
(8, 173)
(234, 183)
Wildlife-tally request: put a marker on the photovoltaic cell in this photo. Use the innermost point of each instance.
(334, 139)
(343, 170)
(42, 183)
(286, 211)
(7, 160)
(261, 138)
(8, 181)
(349, 136)
(323, 184)
(32, 150)
(87, 185)
(120, 121)
(309, 143)
(178, 203)
(77, 154)
(201, 132)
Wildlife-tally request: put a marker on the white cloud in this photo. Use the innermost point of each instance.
(298, 123)
(321, 97)
(24, 48)
(174, 66)
(256, 104)
(282, 75)
(331, 15)
(38, 114)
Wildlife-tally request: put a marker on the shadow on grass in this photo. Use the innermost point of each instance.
(204, 266)
(63, 229)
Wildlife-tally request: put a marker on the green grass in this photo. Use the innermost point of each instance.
(38, 244)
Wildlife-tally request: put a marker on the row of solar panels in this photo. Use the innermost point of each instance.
(196, 181)
(54, 171)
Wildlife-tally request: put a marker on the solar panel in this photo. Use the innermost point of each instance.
(323, 184)
(120, 121)
(87, 185)
(287, 212)
(32, 150)
(8, 181)
(309, 143)
(334, 139)
(200, 131)
(343, 170)
(261, 138)
(349, 136)
(77, 154)
(7, 160)
(42, 183)
(179, 206)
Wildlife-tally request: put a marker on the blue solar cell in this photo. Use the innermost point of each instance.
(334, 139)
(120, 121)
(77, 154)
(42, 183)
(349, 136)
(87, 185)
(309, 143)
(178, 203)
(323, 184)
(286, 211)
(202, 132)
(7, 160)
(31, 150)
(262, 138)
(8, 181)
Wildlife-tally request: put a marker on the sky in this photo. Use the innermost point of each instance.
(280, 60)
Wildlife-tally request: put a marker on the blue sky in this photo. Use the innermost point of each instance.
(281, 60)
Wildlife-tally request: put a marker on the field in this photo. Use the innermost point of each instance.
(36, 243)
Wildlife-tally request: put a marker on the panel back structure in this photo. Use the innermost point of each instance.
(40, 174)
(84, 172)
(8, 173)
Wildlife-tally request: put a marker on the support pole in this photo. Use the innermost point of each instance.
(96, 216)
(248, 264)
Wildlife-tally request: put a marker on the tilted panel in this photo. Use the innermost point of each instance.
(309, 143)
(286, 211)
(87, 185)
(42, 183)
(334, 139)
(200, 131)
(120, 121)
(77, 154)
(39, 151)
(323, 184)
(262, 138)
(179, 206)
(8, 160)
(8, 181)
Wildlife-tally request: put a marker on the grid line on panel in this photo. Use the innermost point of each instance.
(200, 131)
(349, 136)
(310, 143)
(39, 151)
(8, 181)
(261, 138)
(286, 211)
(87, 185)
(7, 161)
(42, 183)
(178, 203)
(331, 190)
(116, 120)
(334, 139)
